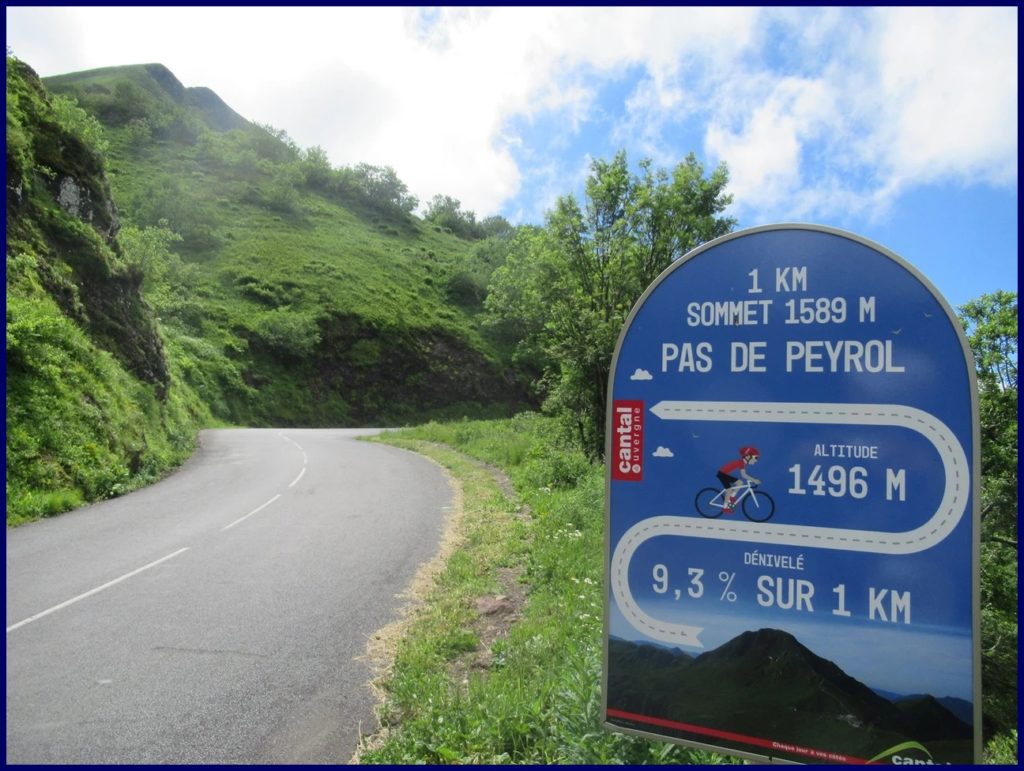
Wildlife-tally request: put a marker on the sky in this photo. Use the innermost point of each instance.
(896, 124)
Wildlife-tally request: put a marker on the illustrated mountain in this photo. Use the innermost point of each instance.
(767, 685)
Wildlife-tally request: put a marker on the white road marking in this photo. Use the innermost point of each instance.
(37, 616)
(91, 592)
(305, 458)
(946, 517)
(254, 511)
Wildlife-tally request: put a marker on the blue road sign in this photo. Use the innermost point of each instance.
(792, 520)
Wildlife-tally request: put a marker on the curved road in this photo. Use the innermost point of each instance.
(217, 617)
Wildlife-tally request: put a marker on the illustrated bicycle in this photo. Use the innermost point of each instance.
(757, 506)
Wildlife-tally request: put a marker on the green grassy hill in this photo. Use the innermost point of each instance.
(321, 300)
(212, 260)
(94, 404)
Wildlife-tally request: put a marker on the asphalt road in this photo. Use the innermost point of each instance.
(218, 616)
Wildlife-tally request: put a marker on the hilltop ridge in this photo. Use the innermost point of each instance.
(117, 95)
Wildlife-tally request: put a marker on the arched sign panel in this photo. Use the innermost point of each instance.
(791, 511)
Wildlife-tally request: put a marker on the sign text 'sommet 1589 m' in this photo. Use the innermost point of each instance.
(791, 509)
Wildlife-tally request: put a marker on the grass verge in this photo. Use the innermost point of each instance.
(501, 662)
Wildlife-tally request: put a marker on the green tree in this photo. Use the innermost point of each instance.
(991, 326)
(273, 144)
(75, 120)
(316, 167)
(182, 205)
(447, 212)
(496, 226)
(138, 132)
(288, 333)
(471, 274)
(382, 188)
(148, 250)
(128, 103)
(569, 286)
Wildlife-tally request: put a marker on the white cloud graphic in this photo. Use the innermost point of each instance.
(664, 452)
(641, 374)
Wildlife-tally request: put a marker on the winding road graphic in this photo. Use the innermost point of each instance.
(943, 521)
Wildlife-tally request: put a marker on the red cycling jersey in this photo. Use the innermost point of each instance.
(732, 466)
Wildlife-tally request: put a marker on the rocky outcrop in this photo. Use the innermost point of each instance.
(77, 200)
(376, 368)
(59, 183)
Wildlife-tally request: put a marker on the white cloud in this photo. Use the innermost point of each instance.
(663, 452)
(765, 156)
(641, 374)
(428, 92)
(899, 98)
(815, 110)
(948, 94)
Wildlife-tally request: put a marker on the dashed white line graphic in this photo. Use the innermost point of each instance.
(948, 514)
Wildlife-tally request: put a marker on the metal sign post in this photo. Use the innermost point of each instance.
(792, 518)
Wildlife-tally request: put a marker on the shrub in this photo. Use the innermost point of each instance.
(288, 333)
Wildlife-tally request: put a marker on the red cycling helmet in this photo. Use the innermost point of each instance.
(745, 451)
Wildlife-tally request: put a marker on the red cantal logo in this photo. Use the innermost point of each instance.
(627, 441)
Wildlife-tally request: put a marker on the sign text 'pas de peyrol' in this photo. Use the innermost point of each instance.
(791, 512)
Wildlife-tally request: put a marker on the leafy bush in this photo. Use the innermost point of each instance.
(466, 290)
(138, 132)
(382, 188)
(1002, 750)
(183, 206)
(447, 213)
(288, 333)
(77, 121)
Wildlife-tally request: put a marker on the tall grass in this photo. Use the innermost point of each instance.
(79, 427)
(537, 699)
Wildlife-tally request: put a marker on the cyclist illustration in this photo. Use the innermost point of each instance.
(757, 505)
(748, 457)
